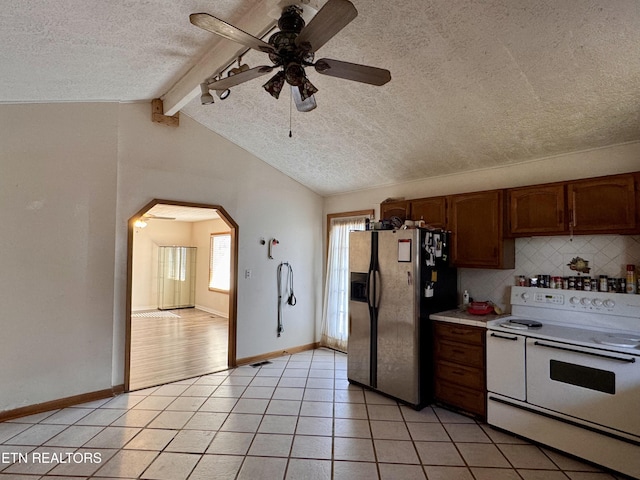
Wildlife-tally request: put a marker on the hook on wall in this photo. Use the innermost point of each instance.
(272, 243)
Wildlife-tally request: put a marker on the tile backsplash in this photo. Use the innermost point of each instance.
(607, 255)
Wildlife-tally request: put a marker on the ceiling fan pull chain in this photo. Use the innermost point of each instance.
(290, 113)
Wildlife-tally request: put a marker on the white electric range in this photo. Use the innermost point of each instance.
(564, 370)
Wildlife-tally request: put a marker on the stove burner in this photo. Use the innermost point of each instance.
(521, 324)
(614, 340)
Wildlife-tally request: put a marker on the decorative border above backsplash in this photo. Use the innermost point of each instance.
(607, 255)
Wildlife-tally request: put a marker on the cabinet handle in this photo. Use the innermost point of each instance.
(459, 332)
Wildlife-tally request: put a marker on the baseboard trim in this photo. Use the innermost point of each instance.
(212, 311)
(279, 353)
(61, 403)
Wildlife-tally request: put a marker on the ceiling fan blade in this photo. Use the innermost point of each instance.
(219, 27)
(238, 78)
(303, 105)
(353, 71)
(330, 19)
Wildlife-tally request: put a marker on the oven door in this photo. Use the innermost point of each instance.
(599, 386)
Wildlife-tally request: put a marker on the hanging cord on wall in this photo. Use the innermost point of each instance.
(287, 289)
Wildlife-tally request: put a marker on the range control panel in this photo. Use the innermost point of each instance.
(622, 304)
(555, 298)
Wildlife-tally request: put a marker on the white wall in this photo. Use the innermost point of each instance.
(71, 175)
(57, 210)
(192, 164)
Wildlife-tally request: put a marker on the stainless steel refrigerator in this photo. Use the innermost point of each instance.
(397, 279)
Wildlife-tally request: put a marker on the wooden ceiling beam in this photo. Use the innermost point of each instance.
(258, 21)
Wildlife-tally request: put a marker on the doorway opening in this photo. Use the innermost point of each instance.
(181, 293)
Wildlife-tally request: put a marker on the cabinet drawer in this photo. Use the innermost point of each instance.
(471, 355)
(469, 377)
(473, 401)
(460, 333)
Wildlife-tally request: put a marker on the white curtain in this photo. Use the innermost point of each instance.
(335, 315)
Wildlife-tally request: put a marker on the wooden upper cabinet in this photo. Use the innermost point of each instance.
(605, 205)
(537, 210)
(432, 210)
(400, 209)
(477, 222)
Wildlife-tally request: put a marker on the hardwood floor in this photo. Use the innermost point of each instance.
(169, 349)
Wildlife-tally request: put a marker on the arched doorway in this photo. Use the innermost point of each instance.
(180, 338)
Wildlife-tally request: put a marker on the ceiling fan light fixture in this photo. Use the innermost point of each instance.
(205, 96)
(275, 84)
(294, 74)
(306, 89)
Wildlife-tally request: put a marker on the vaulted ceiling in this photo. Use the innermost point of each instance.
(475, 84)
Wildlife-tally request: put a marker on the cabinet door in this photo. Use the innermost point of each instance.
(466, 399)
(395, 209)
(536, 210)
(506, 364)
(604, 204)
(431, 210)
(477, 222)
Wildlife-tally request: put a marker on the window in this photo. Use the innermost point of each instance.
(335, 321)
(220, 262)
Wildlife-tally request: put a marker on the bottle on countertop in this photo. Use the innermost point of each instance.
(465, 298)
(631, 279)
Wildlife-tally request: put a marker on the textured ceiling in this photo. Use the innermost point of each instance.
(475, 84)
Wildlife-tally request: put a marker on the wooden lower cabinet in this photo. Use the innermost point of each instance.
(459, 366)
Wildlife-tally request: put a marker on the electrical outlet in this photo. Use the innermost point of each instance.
(247, 274)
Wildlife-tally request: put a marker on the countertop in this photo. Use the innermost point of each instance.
(463, 317)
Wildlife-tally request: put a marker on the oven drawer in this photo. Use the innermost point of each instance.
(596, 385)
(472, 355)
(472, 401)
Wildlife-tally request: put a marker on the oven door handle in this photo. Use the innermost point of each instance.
(601, 355)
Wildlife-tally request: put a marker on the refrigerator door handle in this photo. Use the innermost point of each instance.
(378, 289)
(369, 289)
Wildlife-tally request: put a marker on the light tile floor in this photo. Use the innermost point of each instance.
(294, 418)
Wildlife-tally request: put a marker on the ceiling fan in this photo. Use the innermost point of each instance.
(291, 49)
